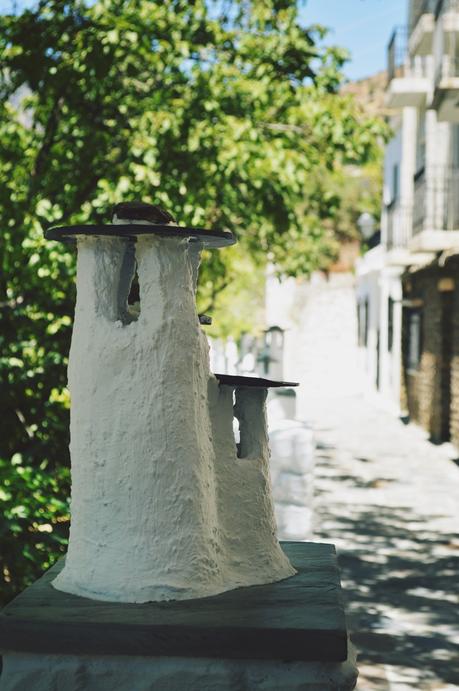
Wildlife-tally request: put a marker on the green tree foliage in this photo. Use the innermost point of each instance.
(228, 114)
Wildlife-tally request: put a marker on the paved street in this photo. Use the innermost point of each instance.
(385, 496)
(389, 500)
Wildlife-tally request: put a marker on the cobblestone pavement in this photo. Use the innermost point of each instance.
(389, 500)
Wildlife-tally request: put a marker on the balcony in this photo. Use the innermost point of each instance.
(398, 233)
(447, 14)
(435, 211)
(422, 24)
(408, 75)
(451, 202)
(446, 90)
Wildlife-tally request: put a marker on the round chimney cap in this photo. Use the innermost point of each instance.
(208, 238)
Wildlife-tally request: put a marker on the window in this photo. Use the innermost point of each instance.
(362, 318)
(455, 151)
(365, 333)
(421, 144)
(414, 339)
(395, 182)
(390, 324)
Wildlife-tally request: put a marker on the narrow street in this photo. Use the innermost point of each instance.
(385, 496)
(389, 501)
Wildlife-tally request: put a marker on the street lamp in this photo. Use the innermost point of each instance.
(366, 224)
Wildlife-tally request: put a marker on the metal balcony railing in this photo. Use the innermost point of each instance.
(451, 202)
(399, 62)
(397, 52)
(436, 200)
(398, 225)
(435, 207)
(448, 67)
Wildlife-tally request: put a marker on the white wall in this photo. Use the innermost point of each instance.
(368, 289)
(377, 282)
(392, 157)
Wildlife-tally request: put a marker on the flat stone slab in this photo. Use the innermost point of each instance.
(237, 380)
(209, 238)
(298, 619)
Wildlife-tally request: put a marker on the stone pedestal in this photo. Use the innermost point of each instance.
(290, 635)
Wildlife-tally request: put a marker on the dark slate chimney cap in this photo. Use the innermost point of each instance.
(158, 222)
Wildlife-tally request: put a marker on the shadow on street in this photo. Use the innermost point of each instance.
(400, 577)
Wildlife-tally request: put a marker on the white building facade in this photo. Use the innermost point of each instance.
(420, 205)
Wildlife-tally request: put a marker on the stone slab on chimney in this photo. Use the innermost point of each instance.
(292, 632)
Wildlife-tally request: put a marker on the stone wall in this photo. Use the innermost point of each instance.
(430, 388)
(319, 319)
(292, 473)
(321, 341)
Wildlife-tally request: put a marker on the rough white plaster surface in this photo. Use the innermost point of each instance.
(67, 673)
(162, 508)
(244, 499)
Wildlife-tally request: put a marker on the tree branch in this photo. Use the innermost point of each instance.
(282, 127)
(47, 143)
(215, 292)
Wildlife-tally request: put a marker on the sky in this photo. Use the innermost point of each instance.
(362, 26)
